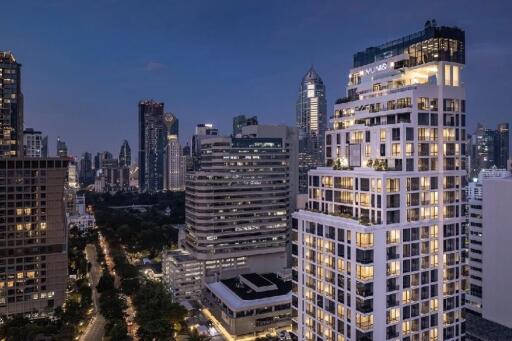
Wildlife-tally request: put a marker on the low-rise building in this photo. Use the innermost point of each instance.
(182, 274)
(250, 303)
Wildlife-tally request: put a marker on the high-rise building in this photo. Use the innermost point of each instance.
(174, 167)
(502, 145)
(488, 296)
(11, 106)
(33, 257)
(238, 204)
(378, 250)
(44, 146)
(125, 155)
(32, 143)
(152, 140)
(489, 148)
(312, 122)
(476, 231)
(241, 121)
(62, 148)
(85, 171)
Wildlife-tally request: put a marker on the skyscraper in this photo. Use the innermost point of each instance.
(242, 121)
(174, 163)
(203, 130)
(11, 110)
(152, 139)
(125, 155)
(85, 171)
(44, 146)
(32, 143)
(502, 145)
(379, 246)
(312, 123)
(62, 148)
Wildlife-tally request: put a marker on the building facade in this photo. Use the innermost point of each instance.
(311, 120)
(238, 204)
(32, 143)
(33, 237)
(62, 148)
(11, 106)
(474, 299)
(152, 140)
(175, 163)
(182, 274)
(378, 250)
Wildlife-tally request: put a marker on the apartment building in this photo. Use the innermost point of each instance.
(378, 250)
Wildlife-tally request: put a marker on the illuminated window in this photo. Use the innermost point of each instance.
(393, 315)
(364, 272)
(393, 268)
(406, 327)
(393, 236)
(395, 150)
(364, 239)
(409, 149)
(447, 75)
(383, 135)
(364, 322)
(406, 296)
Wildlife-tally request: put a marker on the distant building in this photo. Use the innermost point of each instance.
(85, 171)
(11, 108)
(250, 303)
(489, 147)
(175, 163)
(62, 148)
(32, 143)
(311, 121)
(44, 146)
(125, 155)
(203, 130)
(152, 140)
(241, 121)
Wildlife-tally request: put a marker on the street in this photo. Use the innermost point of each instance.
(96, 327)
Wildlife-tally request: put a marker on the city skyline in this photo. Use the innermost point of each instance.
(257, 61)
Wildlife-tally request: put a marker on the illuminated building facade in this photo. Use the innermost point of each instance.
(378, 250)
(11, 106)
(312, 122)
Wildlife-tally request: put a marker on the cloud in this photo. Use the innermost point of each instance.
(154, 66)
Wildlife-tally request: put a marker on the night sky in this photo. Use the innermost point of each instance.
(86, 64)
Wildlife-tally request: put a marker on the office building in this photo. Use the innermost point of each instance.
(125, 155)
(241, 121)
(238, 204)
(62, 148)
(33, 260)
(11, 106)
(32, 143)
(489, 148)
(182, 274)
(250, 304)
(152, 139)
(378, 250)
(311, 110)
(44, 146)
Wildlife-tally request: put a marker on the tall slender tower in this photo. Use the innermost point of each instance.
(312, 123)
(11, 106)
(125, 155)
(378, 250)
(151, 146)
(174, 163)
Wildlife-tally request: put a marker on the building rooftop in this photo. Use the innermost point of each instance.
(180, 255)
(398, 46)
(238, 295)
(486, 330)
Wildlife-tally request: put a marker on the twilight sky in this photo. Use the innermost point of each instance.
(86, 64)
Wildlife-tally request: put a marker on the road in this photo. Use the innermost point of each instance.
(96, 327)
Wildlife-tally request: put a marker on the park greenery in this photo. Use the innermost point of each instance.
(146, 230)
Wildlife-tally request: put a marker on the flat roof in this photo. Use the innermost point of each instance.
(238, 296)
(257, 280)
(486, 330)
